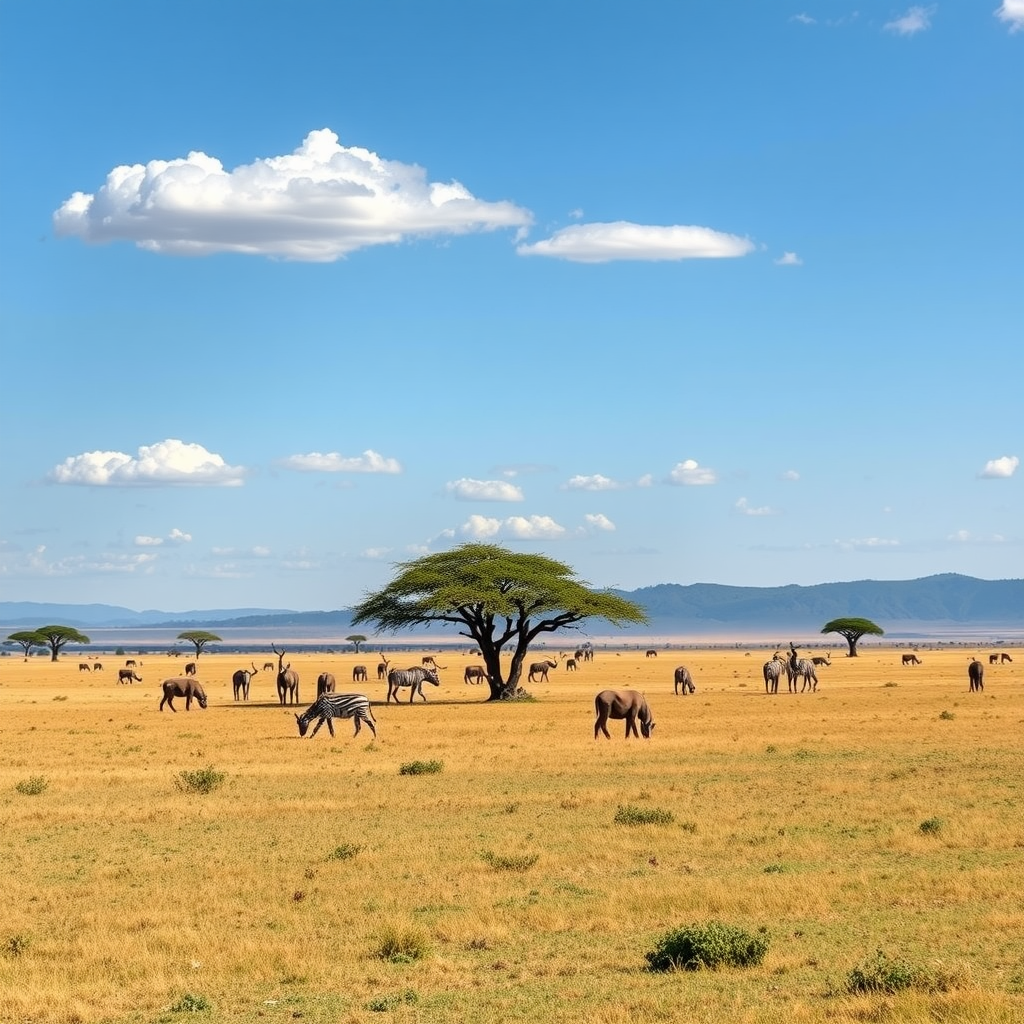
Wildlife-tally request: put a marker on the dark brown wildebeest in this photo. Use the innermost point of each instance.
(976, 675)
(414, 678)
(83, 667)
(180, 686)
(382, 668)
(190, 668)
(993, 659)
(1004, 658)
(628, 704)
(540, 668)
(127, 675)
(826, 661)
(911, 659)
(325, 683)
(130, 663)
(683, 679)
(359, 674)
(570, 664)
(475, 674)
(287, 679)
(268, 666)
(240, 681)
(650, 653)
(98, 667)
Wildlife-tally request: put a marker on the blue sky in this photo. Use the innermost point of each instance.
(703, 292)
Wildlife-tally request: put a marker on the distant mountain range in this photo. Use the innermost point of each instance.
(944, 602)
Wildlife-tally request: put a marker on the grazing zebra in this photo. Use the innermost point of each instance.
(772, 670)
(475, 674)
(413, 678)
(359, 674)
(803, 667)
(325, 683)
(329, 706)
(976, 675)
(683, 679)
(127, 675)
(540, 668)
(628, 704)
(911, 659)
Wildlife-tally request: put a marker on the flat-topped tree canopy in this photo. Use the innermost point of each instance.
(853, 629)
(497, 597)
(199, 638)
(56, 637)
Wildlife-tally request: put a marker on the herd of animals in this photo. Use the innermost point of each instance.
(629, 706)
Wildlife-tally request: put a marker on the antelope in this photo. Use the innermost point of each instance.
(240, 681)
(826, 661)
(650, 653)
(772, 670)
(540, 668)
(429, 662)
(268, 666)
(359, 674)
(127, 675)
(414, 678)
(628, 704)
(287, 679)
(325, 683)
(475, 674)
(911, 659)
(683, 679)
(382, 668)
(181, 687)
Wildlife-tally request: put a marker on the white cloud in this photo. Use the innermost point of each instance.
(481, 527)
(646, 480)
(369, 462)
(514, 528)
(1012, 12)
(747, 509)
(169, 462)
(1000, 468)
(318, 203)
(601, 243)
(789, 259)
(804, 19)
(691, 474)
(175, 537)
(598, 521)
(468, 489)
(866, 543)
(597, 482)
(917, 19)
(142, 541)
(791, 474)
(35, 564)
(259, 551)
(376, 553)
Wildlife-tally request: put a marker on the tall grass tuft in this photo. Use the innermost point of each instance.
(191, 1003)
(630, 815)
(511, 862)
(421, 768)
(202, 780)
(402, 947)
(33, 786)
(707, 946)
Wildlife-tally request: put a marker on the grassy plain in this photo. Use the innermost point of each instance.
(502, 886)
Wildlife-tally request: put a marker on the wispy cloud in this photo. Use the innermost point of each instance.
(789, 259)
(175, 537)
(596, 482)
(917, 19)
(804, 19)
(369, 462)
(621, 240)
(468, 489)
(997, 469)
(318, 203)
(691, 474)
(166, 463)
(1012, 12)
(866, 544)
(747, 509)
(791, 475)
(599, 521)
(513, 528)
(258, 551)
(36, 564)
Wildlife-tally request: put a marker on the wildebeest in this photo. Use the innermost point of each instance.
(268, 666)
(650, 653)
(98, 667)
(359, 674)
(130, 663)
(180, 686)
(287, 679)
(570, 664)
(240, 681)
(683, 679)
(826, 661)
(628, 704)
(1001, 658)
(127, 675)
(976, 675)
(382, 667)
(475, 674)
(428, 661)
(911, 659)
(325, 683)
(413, 678)
(540, 668)
(83, 667)
(190, 668)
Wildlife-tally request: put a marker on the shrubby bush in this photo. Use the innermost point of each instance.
(707, 946)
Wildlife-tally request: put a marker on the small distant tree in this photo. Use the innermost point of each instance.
(853, 630)
(26, 639)
(199, 638)
(57, 637)
(356, 639)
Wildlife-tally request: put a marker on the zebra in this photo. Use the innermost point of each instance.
(329, 706)
(772, 670)
(802, 667)
(411, 677)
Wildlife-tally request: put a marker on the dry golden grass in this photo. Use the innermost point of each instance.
(505, 876)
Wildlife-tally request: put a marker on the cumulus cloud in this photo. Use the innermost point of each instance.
(1012, 12)
(175, 537)
(468, 489)
(369, 462)
(789, 259)
(170, 463)
(917, 19)
(318, 203)
(996, 469)
(690, 473)
(747, 509)
(597, 521)
(620, 240)
(513, 528)
(646, 480)
(597, 482)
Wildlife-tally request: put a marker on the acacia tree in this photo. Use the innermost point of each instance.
(56, 637)
(200, 638)
(853, 630)
(356, 639)
(497, 598)
(27, 639)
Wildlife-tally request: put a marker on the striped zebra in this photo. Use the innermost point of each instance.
(801, 667)
(773, 671)
(329, 706)
(414, 678)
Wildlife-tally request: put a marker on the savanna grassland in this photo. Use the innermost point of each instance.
(318, 882)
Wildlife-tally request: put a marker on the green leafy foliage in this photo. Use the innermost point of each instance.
(402, 947)
(707, 946)
(346, 851)
(882, 973)
(631, 815)
(421, 768)
(852, 629)
(385, 1004)
(201, 780)
(190, 1002)
(33, 786)
(510, 862)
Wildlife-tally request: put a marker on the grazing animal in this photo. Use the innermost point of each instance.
(382, 668)
(772, 671)
(179, 686)
(976, 676)
(240, 681)
(359, 674)
(98, 667)
(651, 653)
(190, 668)
(83, 667)
(911, 659)
(127, 675)
(287, 679)
(570, 664)
(325, 683)
(826, 661)
(628, 704)
(413, 678)
(540, 668)
(580, 654)
(1004, 658)
(588, 652)
(683, 680)
(268, 666)
(475, 674)
(130, 663)
(801, 667)
(329, 706)
(993, 659)
(429, 661)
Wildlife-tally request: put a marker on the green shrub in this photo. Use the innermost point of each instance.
(403, 947)
(630, 815)
(15, 945)
(707, 946)
(190, 1003)
(33, 786)
(947, 716)
(384, 1004)
(421, 768)
(881, 973)
(202, 780)
(931, 826)
(513, 862)
(344, 852)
